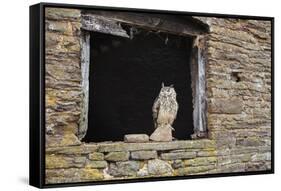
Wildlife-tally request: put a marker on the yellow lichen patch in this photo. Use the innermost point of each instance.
(71, 128)
(169, 162)
(69, 139)
(176, 172)
(142, 163)
(91, 174)
(200, 161)
(50, 100)
(56, 161)
(67, 43)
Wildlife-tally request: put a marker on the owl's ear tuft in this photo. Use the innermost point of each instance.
(163, 85)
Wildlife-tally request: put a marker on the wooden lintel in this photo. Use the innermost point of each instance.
(179, 25)
(101, 24)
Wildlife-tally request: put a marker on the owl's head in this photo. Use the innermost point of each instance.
(167, 91)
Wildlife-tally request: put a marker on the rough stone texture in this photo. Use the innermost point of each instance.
(162, 134)
(178, 155)
(194, 170)
(177, 164)
(174, 145)
(96, 164)
(117, 156)
(159, 167)
(238, 80)
(144, 155)
(96, 156)
(73, 150)
(63, 76)
(136, 138)
(239, 98)
(226, 106)
(200, 161)
(143, 171)
(127, 168)
(72, 175)
(60, 161)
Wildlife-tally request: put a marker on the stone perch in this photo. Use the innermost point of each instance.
(136, 138)
(162, 134)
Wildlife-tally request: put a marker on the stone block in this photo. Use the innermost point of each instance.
(226, 106)
(117, 156)
(159, 146)
(62, 43)
(162, 134)
(177, 164)
(61, 27)
(91, 174)
(200, 161)
(127, 168)
(136, 138)
(96, 156)
(194, 170)
(59, 161)
(112, 147)
(250, 142)
(63, 71)
(178, 155)
(68, 139)
(96, 164)
(229, 159)
(63, 14)
(143, 171)
(256, 166)
(235, 167)
(207, 153)
(225, 139)
(79, 159)
(71, 175)
(261, 157)
(159, 167)
(143, 155)
(72, 150)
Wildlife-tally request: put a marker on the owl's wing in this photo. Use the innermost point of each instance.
(175, 112)
(177, 108)
(155, 110)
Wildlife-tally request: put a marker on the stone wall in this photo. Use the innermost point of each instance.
(119, 160)
(63, 76)
(239, 98)
(238, 73)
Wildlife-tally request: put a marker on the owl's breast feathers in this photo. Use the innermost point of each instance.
(167, 112)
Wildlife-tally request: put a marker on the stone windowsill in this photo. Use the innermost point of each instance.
(122, 146)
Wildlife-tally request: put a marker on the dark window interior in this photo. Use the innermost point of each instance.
(125, 78)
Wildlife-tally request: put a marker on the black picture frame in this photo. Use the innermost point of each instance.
(37, 95)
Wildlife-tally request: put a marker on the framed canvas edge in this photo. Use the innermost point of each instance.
(36, 97)
(38, 169)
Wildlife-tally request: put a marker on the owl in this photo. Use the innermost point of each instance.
(165, 107)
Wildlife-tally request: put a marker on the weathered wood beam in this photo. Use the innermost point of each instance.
(198, 84)
(85, 71)
(180, 25)
(102, 24)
